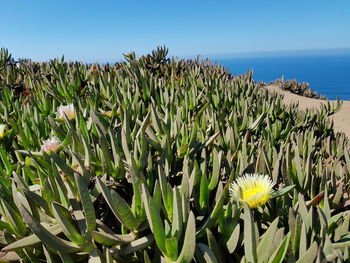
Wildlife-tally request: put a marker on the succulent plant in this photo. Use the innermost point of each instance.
(295, 87)
(142, 172)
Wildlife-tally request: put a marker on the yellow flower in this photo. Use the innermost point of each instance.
(2, 130)
(253, 189)
(51, 145)
(67, 110)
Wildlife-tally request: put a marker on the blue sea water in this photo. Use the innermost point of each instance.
(327, 74)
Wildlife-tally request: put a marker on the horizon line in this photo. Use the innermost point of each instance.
(227, 55)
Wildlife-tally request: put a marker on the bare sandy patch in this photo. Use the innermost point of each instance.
(341, 119)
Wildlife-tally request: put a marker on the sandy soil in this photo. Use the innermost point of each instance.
(341, 118)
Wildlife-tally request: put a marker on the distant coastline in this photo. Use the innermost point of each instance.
(327, 73)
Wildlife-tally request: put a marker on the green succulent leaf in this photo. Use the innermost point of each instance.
(265, 245)
(135, 245)
(282, 192)
(67, 224)
(155, 220)
(310, 255)
(171, 246)
(189, 244)
(233, 240)
(87, 205)
(112, 240)
(119, 207)
(45, 236)
(31, 240)
(208, 254)
(250, 242)
(279, 255)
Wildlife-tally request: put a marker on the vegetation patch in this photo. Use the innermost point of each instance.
(295, 87)
(163, 160)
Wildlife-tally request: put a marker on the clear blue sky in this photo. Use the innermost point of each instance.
(103, 30)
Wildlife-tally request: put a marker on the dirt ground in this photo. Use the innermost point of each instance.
(341, 118)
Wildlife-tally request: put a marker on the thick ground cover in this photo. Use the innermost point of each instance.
(134, 163)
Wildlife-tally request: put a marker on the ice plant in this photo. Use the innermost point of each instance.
(2, 130)
(51, 145)
(106, 113)
(253, 189)
(67, 110)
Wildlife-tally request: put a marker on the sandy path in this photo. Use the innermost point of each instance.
(341, 118)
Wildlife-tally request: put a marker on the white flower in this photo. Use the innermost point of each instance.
(51, 145)
(67, 110)
(2, 130)
(253, 189)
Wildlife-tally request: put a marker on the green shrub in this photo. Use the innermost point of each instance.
(138, 167)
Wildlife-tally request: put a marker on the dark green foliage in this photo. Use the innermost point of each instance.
(144, 168)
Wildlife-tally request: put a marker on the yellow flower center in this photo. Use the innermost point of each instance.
(253, 189)
(67, 110)
(255, 196)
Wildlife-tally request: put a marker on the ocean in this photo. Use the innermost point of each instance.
(327, 74)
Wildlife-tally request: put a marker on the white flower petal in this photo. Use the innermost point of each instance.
(66, 110)
(51, 145)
